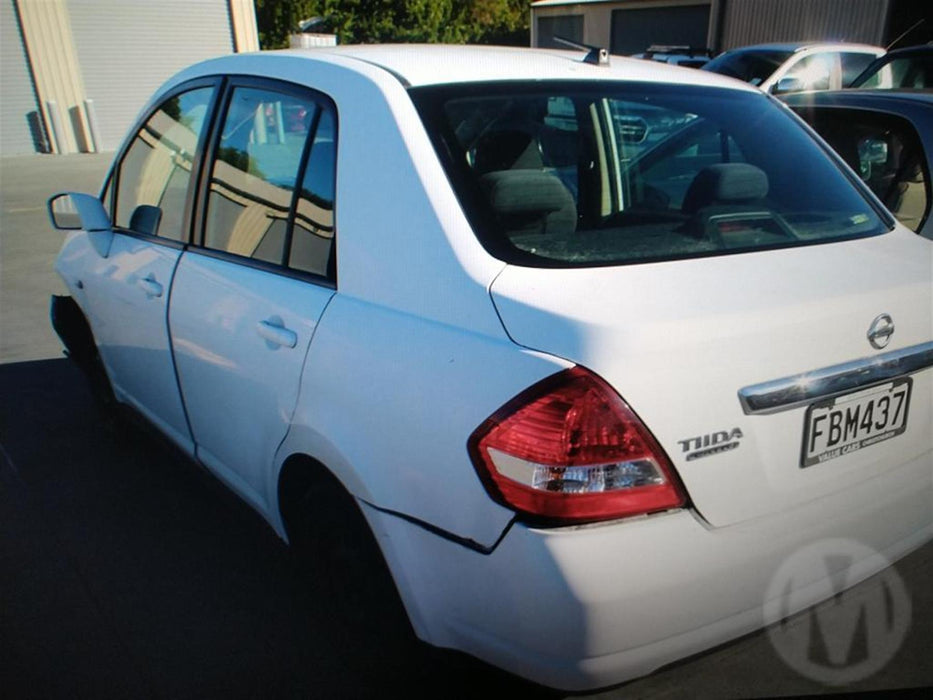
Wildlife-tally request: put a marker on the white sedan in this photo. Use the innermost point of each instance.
(589, 350)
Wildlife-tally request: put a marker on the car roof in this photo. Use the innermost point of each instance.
(439, 64)
(793, 47)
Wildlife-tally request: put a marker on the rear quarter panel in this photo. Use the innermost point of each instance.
(388, 401)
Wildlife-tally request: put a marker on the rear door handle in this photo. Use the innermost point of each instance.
(150, 286)
(275, 332)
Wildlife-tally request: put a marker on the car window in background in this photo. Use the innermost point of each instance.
(751, 66)
(853, 64)
(912, 71)
(152, 179)
(556, 177)
(253, 176)
(813, 72)
(887, 153)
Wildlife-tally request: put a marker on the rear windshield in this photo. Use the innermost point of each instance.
(610, 173)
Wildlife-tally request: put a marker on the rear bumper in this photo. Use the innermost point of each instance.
(586, 607)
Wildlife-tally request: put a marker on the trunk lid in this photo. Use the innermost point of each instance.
(678, 340)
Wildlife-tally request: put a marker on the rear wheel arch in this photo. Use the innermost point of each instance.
(296, 477)
(334, 544)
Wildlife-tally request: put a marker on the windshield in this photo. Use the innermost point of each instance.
(753, 67)
(564, 175)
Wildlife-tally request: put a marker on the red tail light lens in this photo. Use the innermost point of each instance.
(570, 449)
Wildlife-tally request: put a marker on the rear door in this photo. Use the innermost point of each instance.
(128, 291)
(246, 301)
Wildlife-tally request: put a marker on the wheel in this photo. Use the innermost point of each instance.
(72, 327)
(335, 549)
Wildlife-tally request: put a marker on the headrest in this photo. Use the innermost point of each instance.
(725, 183)
(507, 150)
(530, 200)
(145, 219)
(517, 191)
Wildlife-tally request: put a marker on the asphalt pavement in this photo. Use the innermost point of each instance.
(126, 571)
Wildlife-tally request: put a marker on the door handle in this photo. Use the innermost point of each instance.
(150, 286)
(276, 334)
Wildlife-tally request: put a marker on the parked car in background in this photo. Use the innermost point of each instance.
(583, 390)
(792, 67)
(686, 56)
(907, 68)
(886, 136)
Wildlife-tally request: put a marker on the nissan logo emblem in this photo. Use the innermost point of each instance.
(880, 331)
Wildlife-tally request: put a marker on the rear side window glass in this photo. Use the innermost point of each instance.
(567, 175)
(312, 240)
(154, 174)
(253, 177)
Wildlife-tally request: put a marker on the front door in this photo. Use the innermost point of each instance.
(129, 289)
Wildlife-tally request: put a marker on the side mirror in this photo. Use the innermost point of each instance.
(871, 152)
(788, 84)
(72, 211)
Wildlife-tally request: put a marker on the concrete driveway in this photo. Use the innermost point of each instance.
(125, 571)
(28, 246)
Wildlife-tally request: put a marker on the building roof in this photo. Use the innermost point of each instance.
(549, 3)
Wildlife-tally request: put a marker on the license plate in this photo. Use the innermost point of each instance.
(839, 426)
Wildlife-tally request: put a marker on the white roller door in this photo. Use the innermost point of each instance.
(18, 102)
(128, 49)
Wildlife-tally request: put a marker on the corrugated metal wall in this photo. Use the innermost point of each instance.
(123, 59)
(634, 30)
(760, 21)
(18, 96)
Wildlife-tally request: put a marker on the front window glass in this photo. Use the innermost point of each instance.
(611, 174)
(153, 177)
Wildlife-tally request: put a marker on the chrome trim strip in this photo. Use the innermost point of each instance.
(828, 382)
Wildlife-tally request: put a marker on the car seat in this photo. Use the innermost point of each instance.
(524, 197)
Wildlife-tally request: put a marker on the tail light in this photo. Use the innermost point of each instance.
(570, 449)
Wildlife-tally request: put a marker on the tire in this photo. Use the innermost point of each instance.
(72, 327)
(334, 548)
